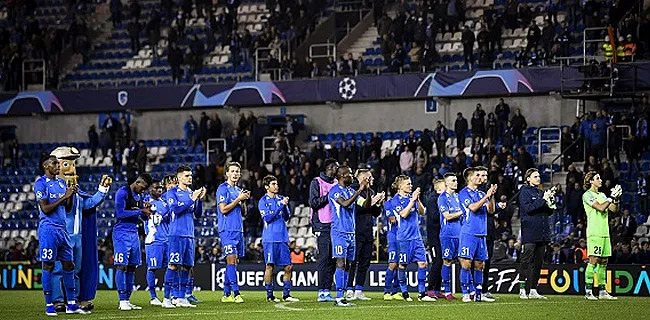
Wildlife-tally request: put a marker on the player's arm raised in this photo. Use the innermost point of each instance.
(226, 208)
(47, 208)
(350, 201)
(121, 212)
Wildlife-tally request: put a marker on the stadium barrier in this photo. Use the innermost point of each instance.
(623, 280)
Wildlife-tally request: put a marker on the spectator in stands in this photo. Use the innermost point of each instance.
(460, 127)
(153, 32)
(116, 12)
(556, 256)
(93, 141)
(512, 251)
(478, 123)
(406, 160)
(524, 159)
(511, 14)
(574, 203)
(191, 131)
(642, 193)
(519, 125)
(387, 49)
(175, 58)
(125, 131)
(452, 15)
(277, 157)
(502, 111)
(467, 40)
(595, 141)
(440, 135)
(548, 35)
(421, 158)
(134, 30)
(414, 55)
(197, 51)
(297, 256)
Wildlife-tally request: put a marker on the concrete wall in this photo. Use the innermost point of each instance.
(352, 117)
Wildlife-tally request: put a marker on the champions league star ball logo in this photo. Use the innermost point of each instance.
(347, 88)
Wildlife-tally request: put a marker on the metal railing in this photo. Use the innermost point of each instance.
(624, 136)
(330, 49)
(210, 147)
(263, 55)
(35, 68)
(540, 141)
(267, 146)
(585, 32)
(277, 74)
(571, 146)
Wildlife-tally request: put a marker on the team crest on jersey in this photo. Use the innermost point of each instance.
(222, 199)
(39, 195)
(337, 195)
(170, 201)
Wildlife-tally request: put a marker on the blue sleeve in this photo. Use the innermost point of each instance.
(164, 211)
(286, 213)
(269, 215)
(222, 195)
(443, 206)
(120, 206)
(40, 190)
(464, 200)
(198, 208)
(172, 201)
(93, 201)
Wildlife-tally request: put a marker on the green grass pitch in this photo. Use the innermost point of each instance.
(20, 305)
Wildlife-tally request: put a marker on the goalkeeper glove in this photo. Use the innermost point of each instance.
(616, 192)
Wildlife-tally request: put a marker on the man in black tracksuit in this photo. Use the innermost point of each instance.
(535, 208)
(433, 237)
(364, 238)
(326, 264)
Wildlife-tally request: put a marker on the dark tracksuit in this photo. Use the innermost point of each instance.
(364, 240)
(491, 237)
(326, 264)
(535, 234)
(433, 241)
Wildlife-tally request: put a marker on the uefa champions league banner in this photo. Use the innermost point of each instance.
(630, 280)
(308, 91)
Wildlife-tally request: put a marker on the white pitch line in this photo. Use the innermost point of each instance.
(283, 306)
(291, 309)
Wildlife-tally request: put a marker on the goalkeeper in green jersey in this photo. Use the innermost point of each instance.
(597, 206)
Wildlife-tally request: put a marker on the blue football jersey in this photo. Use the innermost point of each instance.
(274, 215)
(183, 210)
(159, 233)
(407, 228)
(343, 219)
(232, 221)
(449, 203)
(51, 190)
(127, 218)
(474, 223)
(389, 211)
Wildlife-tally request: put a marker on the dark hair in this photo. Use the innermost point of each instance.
(268, 179)
(342, 167)
(449, 174)
(468, 172)
(146, 177)
(169, 179)
(45, 158)
(481, 168)
(183, 168)
(328, 162)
